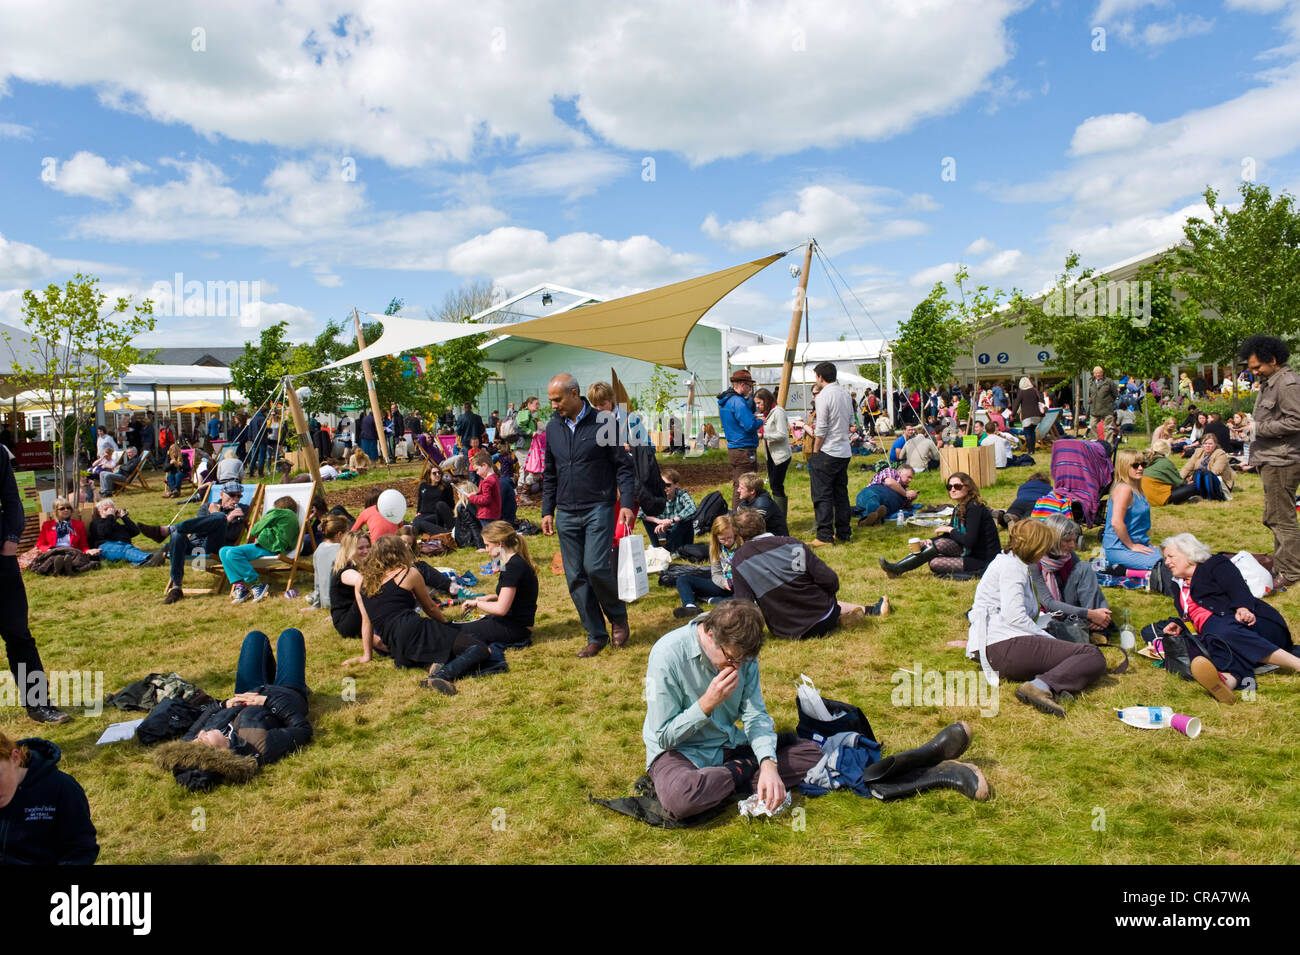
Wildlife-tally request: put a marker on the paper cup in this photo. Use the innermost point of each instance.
(1189, 726)
(915, 545)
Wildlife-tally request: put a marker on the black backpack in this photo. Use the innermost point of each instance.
(712, 506)
(468, 531)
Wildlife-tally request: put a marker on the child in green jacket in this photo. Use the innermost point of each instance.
(275, 533)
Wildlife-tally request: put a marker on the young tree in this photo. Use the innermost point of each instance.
(974, 313)
(1148, 346)
(328, 388)
(1078, 341)
(78, 348)
(259, 370)
(1244, 266)
(925, 347)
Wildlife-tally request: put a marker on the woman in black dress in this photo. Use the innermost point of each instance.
(391, 589)
(345, 609)
(509, 614)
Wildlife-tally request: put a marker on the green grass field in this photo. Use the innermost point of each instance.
(501, 772)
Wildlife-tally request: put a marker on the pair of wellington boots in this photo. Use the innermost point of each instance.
(931, 766)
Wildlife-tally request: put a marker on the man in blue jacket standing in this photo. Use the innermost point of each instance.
(740, 427)
(587, 475)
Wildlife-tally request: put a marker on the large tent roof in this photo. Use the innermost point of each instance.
(651, 326)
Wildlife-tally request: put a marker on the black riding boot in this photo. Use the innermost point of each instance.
(1183, 494)
(966, 778)
(912, 561)
(949, 743)
(443, 681)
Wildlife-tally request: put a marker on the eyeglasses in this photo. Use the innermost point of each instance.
(956, 487)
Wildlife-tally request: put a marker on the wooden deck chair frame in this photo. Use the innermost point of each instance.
(212, 562)
(137, 479)
(292, 562)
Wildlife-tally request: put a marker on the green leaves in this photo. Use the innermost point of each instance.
(925, 348)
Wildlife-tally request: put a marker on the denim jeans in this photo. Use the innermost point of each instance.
(116, 550)
(257, 667)
(694, 589)
(212, 528)
(174, 480)
(587, 543)
(238, 562)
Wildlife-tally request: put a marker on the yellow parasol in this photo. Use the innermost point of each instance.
(195, 407)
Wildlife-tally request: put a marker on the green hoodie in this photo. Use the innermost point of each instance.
(277, 531)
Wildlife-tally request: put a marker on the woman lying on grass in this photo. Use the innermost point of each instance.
(263, 722)
(391, 588)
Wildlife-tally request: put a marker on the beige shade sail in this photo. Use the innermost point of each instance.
(651, 325)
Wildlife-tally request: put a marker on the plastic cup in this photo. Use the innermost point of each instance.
(1189, 726)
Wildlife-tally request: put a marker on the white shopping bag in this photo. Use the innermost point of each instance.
(657, 560)
(1259, 580)
(633, 581)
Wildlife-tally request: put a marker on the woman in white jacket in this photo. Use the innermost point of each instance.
(776, 437)
(1006, 638)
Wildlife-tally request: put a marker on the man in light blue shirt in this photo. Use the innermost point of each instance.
(701, 679)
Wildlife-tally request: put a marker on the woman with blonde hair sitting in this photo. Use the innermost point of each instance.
(1126, 538)
(1004, 634)
(1236, 630)
(694, 589)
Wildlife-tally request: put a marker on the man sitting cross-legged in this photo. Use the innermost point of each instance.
(792, 586)
(701, 679)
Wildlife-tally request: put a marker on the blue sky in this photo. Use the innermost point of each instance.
(341, 154)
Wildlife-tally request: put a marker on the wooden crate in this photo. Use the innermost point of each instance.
(980, 463)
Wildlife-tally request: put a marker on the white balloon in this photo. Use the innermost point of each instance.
(303, 393)
(392, 506)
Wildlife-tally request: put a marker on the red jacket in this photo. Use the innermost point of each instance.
(49, 537)
(488, 498)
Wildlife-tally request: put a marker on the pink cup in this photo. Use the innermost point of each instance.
(1189, 726)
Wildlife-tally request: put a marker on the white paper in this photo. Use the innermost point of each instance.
(118, 732)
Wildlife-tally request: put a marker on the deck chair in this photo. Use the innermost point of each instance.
(250, 501)
(137, 477)
(288, 563)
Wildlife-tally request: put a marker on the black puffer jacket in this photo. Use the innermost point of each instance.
(48, 820)
(258, 735)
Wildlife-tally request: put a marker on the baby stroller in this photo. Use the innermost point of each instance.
(1083, 471)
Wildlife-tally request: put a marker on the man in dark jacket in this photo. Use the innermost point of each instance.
(752, 493)
(20, 647)
(792, 586)
(44, 815)
(368, 436)
(216, 525)
(256, 434)
(470, 425)
(1101, 400)
(399, 429)
(585, 463)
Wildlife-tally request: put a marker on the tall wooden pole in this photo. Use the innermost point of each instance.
(792, 340)
(304, 432)
(370, 390)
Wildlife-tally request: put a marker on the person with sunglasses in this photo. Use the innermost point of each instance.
(1126, 537)
(967, 546)
(702, 679)
(63, 530)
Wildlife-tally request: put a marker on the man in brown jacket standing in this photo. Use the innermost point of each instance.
(1276, 450)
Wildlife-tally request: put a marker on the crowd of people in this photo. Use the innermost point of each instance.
(1038, 616)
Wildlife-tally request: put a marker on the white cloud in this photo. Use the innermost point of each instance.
(1161, 33)
(1099, 134)
(935, 273)
(413, 82)
(15, 131)
(1003, 263)
(516, 259)
(980, 246)
(840, 217)
(87, 174)
(23, 264)
(570, 173)
(327, 279)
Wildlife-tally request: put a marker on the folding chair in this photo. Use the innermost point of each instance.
(292, 561)
(211, 563)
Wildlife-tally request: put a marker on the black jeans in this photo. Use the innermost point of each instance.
(20, 647)
(673, 538)
(776, 476)
(830, 495)
(212, 527)
(439, 522)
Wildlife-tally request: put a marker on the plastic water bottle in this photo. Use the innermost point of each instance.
(902, 519)
(1146, 717)
(1127, 640)
(1099, 564)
